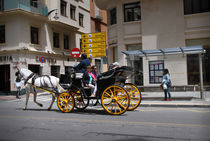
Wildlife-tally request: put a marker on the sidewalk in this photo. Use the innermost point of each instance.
(155, 99)
(179, 99)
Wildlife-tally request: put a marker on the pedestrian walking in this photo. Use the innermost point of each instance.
(18, 83)
(166, 84)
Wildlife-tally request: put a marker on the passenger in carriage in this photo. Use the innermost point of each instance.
(114, 65)
(89, 80)
(95, 73)
(82, 66)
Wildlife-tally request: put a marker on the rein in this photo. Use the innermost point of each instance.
(30, 76)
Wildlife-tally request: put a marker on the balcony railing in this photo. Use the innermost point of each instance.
(34, 7)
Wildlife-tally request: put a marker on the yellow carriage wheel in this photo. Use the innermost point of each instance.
(80, 102)
(115, 100)
(134, 94)
(65, 102)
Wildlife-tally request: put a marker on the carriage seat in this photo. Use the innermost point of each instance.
(78, 75)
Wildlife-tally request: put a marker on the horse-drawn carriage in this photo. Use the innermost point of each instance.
(115, 96)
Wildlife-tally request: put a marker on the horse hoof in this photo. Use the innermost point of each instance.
(48, 109)
(24, 109)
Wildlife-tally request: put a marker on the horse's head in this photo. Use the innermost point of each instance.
(23, 73)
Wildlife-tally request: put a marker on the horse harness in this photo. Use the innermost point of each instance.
(33, 76)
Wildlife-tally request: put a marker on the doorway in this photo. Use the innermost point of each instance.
(5, 78)
(35, 69)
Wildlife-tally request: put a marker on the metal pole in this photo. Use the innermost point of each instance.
(75, 62)
(102, 65)
(201, 76)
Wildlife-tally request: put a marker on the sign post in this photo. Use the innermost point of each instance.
(75, 53)
(42, 60)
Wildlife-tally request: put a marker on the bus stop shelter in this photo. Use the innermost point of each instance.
(172, 51)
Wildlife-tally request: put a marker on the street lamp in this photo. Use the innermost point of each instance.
(56, 14)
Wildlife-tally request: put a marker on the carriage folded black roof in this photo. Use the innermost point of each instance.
(125, 69)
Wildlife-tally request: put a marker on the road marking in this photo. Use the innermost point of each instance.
(197, 111)
(107, 121)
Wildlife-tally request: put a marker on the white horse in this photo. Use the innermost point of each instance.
(48, 82)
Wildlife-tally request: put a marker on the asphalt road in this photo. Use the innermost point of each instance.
(94, 124)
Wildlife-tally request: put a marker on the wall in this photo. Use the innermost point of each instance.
(163, 27)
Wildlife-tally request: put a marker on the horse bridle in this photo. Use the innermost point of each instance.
(29, 77)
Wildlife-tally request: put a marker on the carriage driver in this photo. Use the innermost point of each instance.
(89, 80)
(82, 66)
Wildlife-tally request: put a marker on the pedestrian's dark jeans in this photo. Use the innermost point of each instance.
(169, 93)
(18, 92)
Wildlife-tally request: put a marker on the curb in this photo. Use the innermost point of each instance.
(175, 105)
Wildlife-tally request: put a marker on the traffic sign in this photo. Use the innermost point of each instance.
(42, 59)
(90, 55)
(93, 40)
(92, 45)
(75, 52)
(94, 35)
(93, 50)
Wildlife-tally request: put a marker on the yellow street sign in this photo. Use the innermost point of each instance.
(92, 45)
(93, 40)
(94, 35)
(94, 50)
(91, 55)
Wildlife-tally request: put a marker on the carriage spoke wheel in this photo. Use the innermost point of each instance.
(134, 94)
(115, 100)
(80, 102)
(65, 102)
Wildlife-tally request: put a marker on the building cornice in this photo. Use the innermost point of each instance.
(41, 53)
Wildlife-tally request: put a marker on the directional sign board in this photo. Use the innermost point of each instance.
(94, 35)
(94, 44)
(75, 52)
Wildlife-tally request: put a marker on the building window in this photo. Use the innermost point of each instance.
(63, 8)
(34, 35)
(113, 16)
(2, 34)
(156, 71)
(56, 40)
(72, 12)
(55, 71)
(1, 5)
(66, 41)
(34, 3)
(196, 6)
(132, 12)
(68, 70)
(81, 18)
(193, 62)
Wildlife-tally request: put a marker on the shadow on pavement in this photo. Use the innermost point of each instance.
(82, 112)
